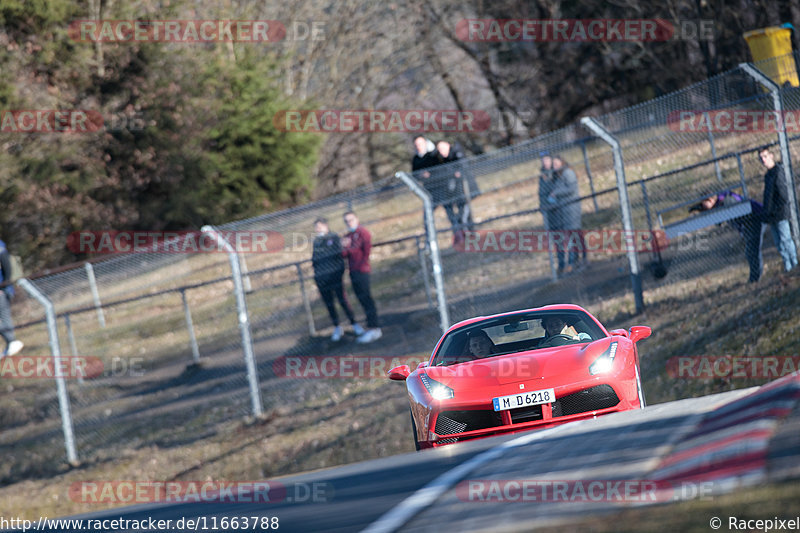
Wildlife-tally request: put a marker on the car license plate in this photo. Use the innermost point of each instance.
(513, 401)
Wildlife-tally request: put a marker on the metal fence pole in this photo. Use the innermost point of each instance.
(244, 319)
(713, 150)
(190, 327)
(425, 276)
(95, 294)
(786, 159)
(248, 287)
(306, 304)
(625, 205)
(73, 346)
(438, 278)
(55, 350)
(740, 166)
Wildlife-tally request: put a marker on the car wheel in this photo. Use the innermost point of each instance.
(639, 389)
(414, 431)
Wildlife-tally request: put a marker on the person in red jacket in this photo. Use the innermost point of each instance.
(356, 246)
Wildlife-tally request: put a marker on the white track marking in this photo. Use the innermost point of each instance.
(428, 494)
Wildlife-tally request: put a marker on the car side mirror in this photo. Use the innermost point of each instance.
(399, 373)
(423, 364)
(622, 332)
(640, 332)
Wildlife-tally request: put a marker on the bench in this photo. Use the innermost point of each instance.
(704, 219)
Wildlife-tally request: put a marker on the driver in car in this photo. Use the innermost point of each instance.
(556, 328)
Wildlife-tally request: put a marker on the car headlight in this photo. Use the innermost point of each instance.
(605, 362)
(439, 391)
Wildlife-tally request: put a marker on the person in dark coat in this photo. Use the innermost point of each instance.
(777, 208)
(450, 187)
(13, 346)
(565, 216)
(328, 266)
(749, 227)
(424, 156)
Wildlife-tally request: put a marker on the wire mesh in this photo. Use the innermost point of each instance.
(672, 161)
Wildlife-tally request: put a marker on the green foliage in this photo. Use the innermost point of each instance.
(34, 16)
(257, 165)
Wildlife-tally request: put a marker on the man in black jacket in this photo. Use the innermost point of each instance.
(777, 208)
(13, 346)
(424, 156)
(328, 266)
(453, 189)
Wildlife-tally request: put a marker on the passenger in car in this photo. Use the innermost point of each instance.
(479, 345)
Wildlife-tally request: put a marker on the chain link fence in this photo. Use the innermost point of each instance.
(168, 331)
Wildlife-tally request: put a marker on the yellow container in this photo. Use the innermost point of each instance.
(774, 43)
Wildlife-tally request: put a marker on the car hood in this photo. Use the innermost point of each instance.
(523, 366)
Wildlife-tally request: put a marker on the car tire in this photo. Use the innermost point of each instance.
(639, 389)
(414, 431)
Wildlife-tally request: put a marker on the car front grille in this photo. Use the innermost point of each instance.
(593, 399)
(526, 414)
(450, 422)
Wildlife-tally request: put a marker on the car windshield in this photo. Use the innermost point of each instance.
(516, 333)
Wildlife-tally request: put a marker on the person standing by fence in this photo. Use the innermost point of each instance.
(566, 214)
(749, 226)
(13, 346)
(545, 185)
(328, 266)
(777, 208)
(357, 246)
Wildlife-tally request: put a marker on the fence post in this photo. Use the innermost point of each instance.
(713, 149)
(424, 264)
(248, 287)
(244, 319)
(625, 205)
(438, 278)
(101, 317)
(786, 159)
(73, 346)
(306, 304)
(55, 350)
(190, 327)
(741, 174)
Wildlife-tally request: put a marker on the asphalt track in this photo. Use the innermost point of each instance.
(720, 442)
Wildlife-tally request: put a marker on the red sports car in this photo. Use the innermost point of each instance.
(521, 370)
